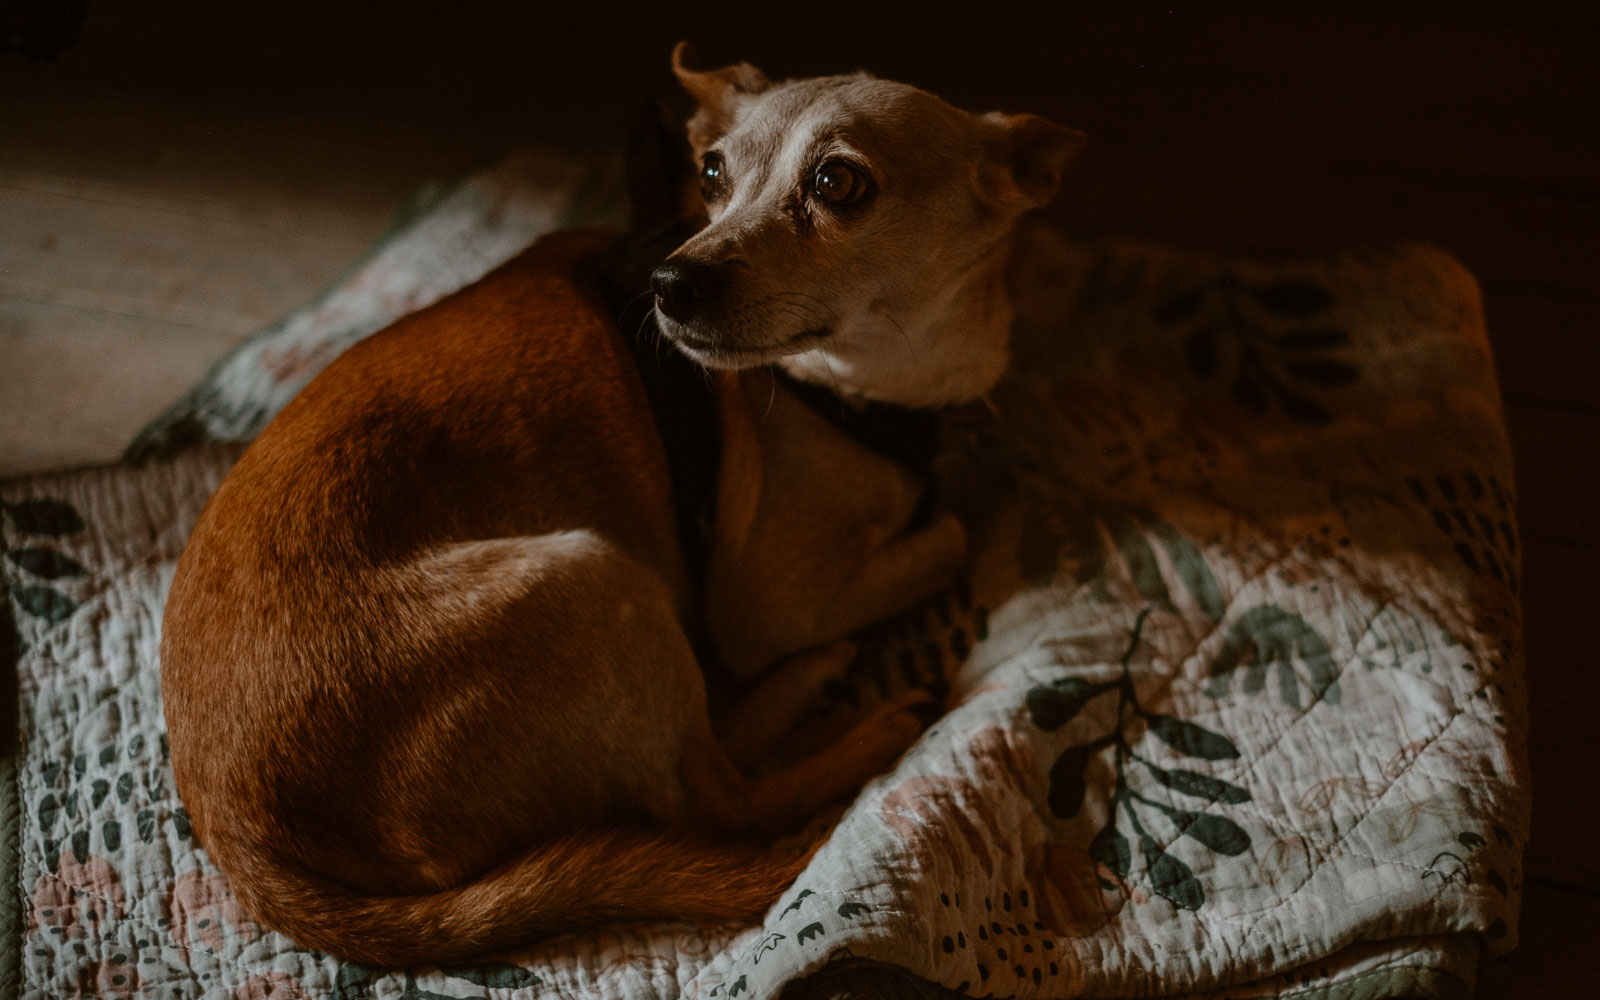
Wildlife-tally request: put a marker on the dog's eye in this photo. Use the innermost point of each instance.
(838, 183)
(713, 177)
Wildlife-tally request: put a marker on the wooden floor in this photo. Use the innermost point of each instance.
(182, 177)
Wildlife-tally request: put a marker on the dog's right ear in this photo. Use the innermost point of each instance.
(716, 93)
(1027, 156)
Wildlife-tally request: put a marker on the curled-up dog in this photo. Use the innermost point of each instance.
(429, 660)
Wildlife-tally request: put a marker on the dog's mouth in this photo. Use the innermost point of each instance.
(713, 350)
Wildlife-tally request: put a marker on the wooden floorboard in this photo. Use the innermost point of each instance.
(161, 262)
(78, 382)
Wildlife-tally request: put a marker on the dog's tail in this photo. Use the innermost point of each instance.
(576, 882)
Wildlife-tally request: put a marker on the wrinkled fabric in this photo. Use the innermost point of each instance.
(1234, 690)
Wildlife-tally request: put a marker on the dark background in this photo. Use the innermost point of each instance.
(1277, 129)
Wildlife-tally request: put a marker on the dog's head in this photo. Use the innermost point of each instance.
(857, 232)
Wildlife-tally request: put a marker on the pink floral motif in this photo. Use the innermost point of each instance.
(1288, 862)
(78, 898)
(273, 985)
(933, 814)
(106, 980)
(201, 904)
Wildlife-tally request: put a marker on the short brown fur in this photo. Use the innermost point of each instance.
(428, 679)
(426, 673)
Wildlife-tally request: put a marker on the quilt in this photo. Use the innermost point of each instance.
(1234, 689)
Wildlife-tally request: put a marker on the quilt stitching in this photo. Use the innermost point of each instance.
(1176, 676)
(155, 932)
(1326, 850)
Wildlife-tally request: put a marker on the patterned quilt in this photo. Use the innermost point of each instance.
(1234, 690)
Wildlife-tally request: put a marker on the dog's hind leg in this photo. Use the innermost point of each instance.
(896, 575)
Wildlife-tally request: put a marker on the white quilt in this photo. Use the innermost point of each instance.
(1235, 694)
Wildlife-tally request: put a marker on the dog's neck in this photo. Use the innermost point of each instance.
(952, 351)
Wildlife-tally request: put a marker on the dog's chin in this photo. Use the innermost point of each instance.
(721, 356)
(717, 352)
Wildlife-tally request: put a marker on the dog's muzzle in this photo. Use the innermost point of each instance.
(684, 287)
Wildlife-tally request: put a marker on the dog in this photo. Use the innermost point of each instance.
(859, 233)
(429, 658)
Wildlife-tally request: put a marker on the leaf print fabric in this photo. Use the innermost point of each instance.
(1233, 690)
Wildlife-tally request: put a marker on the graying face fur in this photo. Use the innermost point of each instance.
(857, 233)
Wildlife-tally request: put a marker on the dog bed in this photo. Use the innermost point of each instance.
(1235, 696)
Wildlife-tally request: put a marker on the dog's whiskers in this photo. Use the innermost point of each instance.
(772, 390)
(895, 323)
(635, 301)
(656, 335)
(827, 312)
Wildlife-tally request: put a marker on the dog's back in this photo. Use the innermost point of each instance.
(444, 512)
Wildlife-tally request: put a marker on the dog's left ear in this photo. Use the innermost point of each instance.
(1026, 157)
(716, 93)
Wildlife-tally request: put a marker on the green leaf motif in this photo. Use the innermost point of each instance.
(1312, 338)
(1327, 373)
(48, 807)
(42, 602)
(495, 975)
(1171, 877)
(1201, 786)
(1066, 782)
(46, 563)
(1202, 353)
(146, 823)
(1248, 394)
(1187, 562)
(1268, 638)
(1497, 882)
(1050, 706)
(1139, 557)
(1110, 848)
(1076, 534)
(44, 517)
(1300, 409)
(1292, 299)
(1177, 308)
(1219, 833)
(412, 991)
(354, 982)
(1192, 740)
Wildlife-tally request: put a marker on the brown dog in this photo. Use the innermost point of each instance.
(426, 662)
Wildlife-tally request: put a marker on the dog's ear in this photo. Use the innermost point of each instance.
(716, 93)
(1026, 157)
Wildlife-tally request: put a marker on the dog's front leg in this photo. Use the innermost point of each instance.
(895, 575)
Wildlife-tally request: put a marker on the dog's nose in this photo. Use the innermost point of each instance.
(681, 287)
